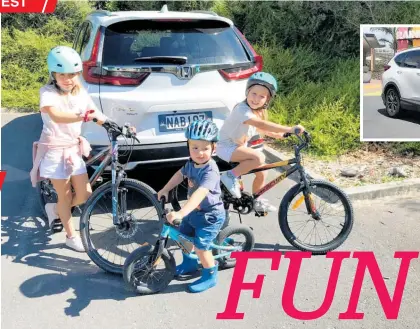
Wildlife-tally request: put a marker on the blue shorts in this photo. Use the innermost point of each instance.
(204, 227)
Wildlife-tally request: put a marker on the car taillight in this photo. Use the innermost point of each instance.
(256, 142)
(94, 74)
(240, 73)
(386, 67)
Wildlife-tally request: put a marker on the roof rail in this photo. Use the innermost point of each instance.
(204, 12)
(101, 12)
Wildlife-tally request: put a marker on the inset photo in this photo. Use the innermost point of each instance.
(390, 83)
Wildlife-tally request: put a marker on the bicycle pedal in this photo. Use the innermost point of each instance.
(261, 213)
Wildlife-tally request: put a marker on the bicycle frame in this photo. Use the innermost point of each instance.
(110, 158)
(281, 177)
(296, 167)
(170, 232)
(101, 167)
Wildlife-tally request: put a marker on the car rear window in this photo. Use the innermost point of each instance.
(201, 41)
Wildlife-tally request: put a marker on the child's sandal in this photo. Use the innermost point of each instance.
(56, 225)
(54, 221)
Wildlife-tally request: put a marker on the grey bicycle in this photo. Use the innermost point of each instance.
(121, 214)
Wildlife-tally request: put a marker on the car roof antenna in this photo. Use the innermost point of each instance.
(164, 9)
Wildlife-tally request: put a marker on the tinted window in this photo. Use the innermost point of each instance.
(202, 42)
(86, 37)
(412, 59)
(78, 43)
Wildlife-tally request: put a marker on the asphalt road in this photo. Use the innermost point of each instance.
(45, 285)
(377, 125)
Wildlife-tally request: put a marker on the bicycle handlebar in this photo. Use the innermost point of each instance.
(162, 200)
(112, 127)
(304, 141)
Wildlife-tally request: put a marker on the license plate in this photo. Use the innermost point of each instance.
(174, 122)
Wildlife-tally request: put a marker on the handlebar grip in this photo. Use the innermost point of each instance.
(296, 131)
(162, 201)
(177, 222)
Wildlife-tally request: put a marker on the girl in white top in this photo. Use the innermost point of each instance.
(246, 120)
(64, 106)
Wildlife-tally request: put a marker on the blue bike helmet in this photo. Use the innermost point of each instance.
(63, 59)
(203, 130)
(263, 79)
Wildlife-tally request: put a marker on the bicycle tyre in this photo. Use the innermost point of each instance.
(147, 288)
(225, 262)
(93, 254)
(336, 242)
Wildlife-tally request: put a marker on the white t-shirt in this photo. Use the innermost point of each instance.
(234, 130)
(82, 102)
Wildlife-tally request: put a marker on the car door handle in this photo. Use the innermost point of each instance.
(399, 72)
(418, 74)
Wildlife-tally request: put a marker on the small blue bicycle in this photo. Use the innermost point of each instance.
(149, 269)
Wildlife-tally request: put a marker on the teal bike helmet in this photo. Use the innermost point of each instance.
(63, 59)
(263, 79)
(202, 130)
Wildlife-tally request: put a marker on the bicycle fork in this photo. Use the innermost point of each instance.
(119, 207)
(309, 200)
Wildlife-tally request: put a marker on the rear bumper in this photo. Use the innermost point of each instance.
(150, 156)
(155, 156)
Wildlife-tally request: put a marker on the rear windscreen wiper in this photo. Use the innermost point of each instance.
(163, 59)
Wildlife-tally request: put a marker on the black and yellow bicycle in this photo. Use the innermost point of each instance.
(314, 215)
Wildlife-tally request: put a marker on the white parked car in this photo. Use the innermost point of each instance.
(400, 82)
(160, 70)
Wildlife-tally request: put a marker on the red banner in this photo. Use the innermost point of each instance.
(2, 177)
(28, 6)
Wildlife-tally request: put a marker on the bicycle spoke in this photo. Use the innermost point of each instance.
(331, 215)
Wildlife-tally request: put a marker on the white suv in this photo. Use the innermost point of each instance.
(400, 82)
(160, 70)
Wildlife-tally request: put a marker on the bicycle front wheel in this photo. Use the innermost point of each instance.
(109, 245)
(333, 220)
(146, 274)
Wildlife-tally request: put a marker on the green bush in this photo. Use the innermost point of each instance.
(405, 148)
(63, 22)
(320, 93)
(24, 68)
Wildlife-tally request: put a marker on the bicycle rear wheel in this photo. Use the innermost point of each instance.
(107, 245)
(239, 236)
(335, 218)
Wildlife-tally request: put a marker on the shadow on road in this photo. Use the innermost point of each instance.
(409, 116)
(17, 137)
(29, 243)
